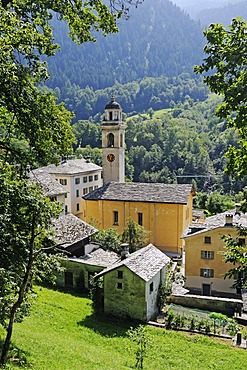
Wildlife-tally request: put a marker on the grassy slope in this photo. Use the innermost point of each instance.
(62, 334)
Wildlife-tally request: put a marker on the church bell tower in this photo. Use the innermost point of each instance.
(113, 139)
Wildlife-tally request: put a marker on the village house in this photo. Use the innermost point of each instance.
(131, 286)
(79, 177)
(204, 248)
(79, 270)
(50, 187)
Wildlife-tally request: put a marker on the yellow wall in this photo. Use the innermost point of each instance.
(193, 261)
(165, 222)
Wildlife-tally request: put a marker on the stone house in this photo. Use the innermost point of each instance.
(78, 270)
(204, 248)
(131, 285)
(79, 177)
(73, 235)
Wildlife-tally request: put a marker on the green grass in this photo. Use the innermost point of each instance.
(62, 334)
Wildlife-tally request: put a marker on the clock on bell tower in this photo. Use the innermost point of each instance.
(113, 139)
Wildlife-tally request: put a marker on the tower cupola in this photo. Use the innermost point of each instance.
(113, 112)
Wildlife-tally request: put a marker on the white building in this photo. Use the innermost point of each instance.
(78, 177)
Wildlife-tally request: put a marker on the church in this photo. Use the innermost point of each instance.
(165, 210)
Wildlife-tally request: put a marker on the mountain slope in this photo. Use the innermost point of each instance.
(158, 39)
(223, 15)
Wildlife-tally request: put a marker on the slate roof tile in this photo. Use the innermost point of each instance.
(142, 192)
(214, 222)
(49, 186)
(146, 262)
(72, 167)
(70, 229)
(98, 257)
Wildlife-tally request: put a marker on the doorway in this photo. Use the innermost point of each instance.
(206, 289)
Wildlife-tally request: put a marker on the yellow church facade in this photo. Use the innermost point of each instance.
(164, 210)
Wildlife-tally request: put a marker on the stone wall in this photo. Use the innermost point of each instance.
(224, 305)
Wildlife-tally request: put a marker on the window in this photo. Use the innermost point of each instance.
(53, 199)
(96, 187)
(85, 179)
(207, 255)
(65, 195)
(90, 189)
(140, 218)
(90, 178)
(85, 191)
(78, 207)
(66, 209)
(115, 218)
(110, 140)
(207, 240)
(151, 288)
(77, 180)
(120, 274)
(77, 193)
(241, 241)
(119, 285)
(207, 273)
(68, 279)
(96, 177)
(63, 181)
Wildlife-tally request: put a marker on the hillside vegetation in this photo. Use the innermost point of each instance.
(181, 144)
(158, 39)
(62, 334)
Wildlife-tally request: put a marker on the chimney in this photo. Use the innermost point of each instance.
(237, 209)
(229, 219)
(124, 250)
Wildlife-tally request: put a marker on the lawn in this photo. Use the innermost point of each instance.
(63, 334)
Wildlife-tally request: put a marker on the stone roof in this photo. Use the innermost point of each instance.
(71, 167)
(49, 186)
(145, 263)
(142, 192)
(215, 222)
(70, 229)
(113, 104)
(98, 257)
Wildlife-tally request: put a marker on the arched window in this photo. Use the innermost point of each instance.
(110, 140)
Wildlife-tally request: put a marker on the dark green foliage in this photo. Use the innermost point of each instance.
(236, 254)
(134, 235)
(108, 239)
(226, 61)
(158, 39)
(165, 290)
(97, 294)
(137, 96)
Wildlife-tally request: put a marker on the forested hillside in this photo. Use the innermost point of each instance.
(158, 39)
(223, 15)
(150, 92)
(183, 144)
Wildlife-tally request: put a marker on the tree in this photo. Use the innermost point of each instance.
(226, 61)
(236, 254)
(25, 230)
(135, 235)
(140, 337)
(227, 64)
(108, 239)
(34, 130)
